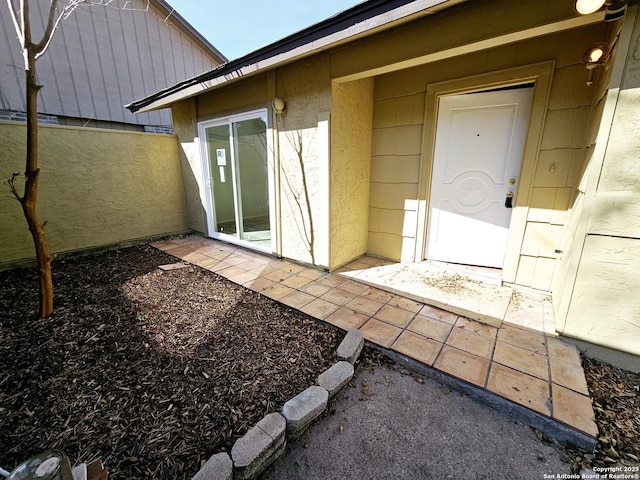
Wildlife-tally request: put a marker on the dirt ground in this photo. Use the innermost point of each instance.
(155, 370)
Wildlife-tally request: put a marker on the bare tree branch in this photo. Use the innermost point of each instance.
(16, 23)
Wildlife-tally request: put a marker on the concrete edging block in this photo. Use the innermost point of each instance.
(218, 467)
(302, 409)
(350, 347)
(336, 377)
(259, 447)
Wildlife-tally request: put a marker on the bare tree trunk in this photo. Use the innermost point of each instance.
(29, 199)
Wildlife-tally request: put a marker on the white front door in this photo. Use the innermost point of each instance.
(479, 146)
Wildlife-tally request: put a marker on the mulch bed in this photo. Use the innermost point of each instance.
(615, 395)
(153, 371)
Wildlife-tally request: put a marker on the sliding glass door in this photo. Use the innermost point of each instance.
(235, 165)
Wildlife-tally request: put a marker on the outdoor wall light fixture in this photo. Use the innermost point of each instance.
(615, 9)
(585, 7)
(278, 107)
(595, 57)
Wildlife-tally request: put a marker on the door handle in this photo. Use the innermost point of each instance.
(508, 202)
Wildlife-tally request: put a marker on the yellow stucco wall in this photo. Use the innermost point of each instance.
(184, 126)
(351, 133)
(601, 298)
(398, 121)
(97, 187)
(301, 134)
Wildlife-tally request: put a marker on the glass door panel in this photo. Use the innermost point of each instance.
(250, 152)
(221, 171)
(238, 179)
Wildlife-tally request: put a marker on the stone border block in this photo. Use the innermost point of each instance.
(336, 377)
(218, 467)
(259, 447)
(302, 409)
(350, 347)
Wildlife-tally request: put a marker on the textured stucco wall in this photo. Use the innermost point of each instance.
(398, 122)
(604, 307)
(305, 86)
(97, 187)
(184, 126)
(302, 133)
(351, 116)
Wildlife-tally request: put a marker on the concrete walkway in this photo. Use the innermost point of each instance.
(519, 369)
(402, 429)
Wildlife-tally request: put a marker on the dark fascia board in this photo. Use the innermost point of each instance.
(339, 22)
(168, 11)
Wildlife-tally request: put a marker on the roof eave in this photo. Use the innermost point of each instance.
(262, 60)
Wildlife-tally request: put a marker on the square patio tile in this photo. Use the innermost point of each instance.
(297, 299)
(406, 304)
(376, 294)
(230, 272)
(471, 342)
(394, 315)
(252, 266)
(208, 262)
(568, 375)
(312, 274)
(573, 409)
(339, 296)
(438, 314)
(417, 347)
(430, 328)
(319, 308)
(296, 281)
(463, 365)
(194, 258)
(354, 287)
(365, 305)
(259, 284)
(235, 259)
(243, 277)
(560, 350)
(315, 288)
(472, 326)
(222, 265)
(291, 267)
(523, 338)
(367, 260)
(522, 360)
(278, 275)
(379, 332)
(277, 291)
(332, 280)
(347, 319)
(520, 388)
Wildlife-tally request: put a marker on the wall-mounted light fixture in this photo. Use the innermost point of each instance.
(586, 7)
(279, 109)
(615, 9)
(595, 57)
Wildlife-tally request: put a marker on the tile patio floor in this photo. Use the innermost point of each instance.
(522, 361)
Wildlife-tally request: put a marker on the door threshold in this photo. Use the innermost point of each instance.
(492, 276)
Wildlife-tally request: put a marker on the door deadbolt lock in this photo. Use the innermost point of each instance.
(508, 202)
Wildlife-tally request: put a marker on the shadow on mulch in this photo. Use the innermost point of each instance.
(153, 371)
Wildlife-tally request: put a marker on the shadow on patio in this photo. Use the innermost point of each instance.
(512, 361)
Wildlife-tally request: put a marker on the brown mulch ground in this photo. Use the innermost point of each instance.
(616, 402)
(153, 371)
